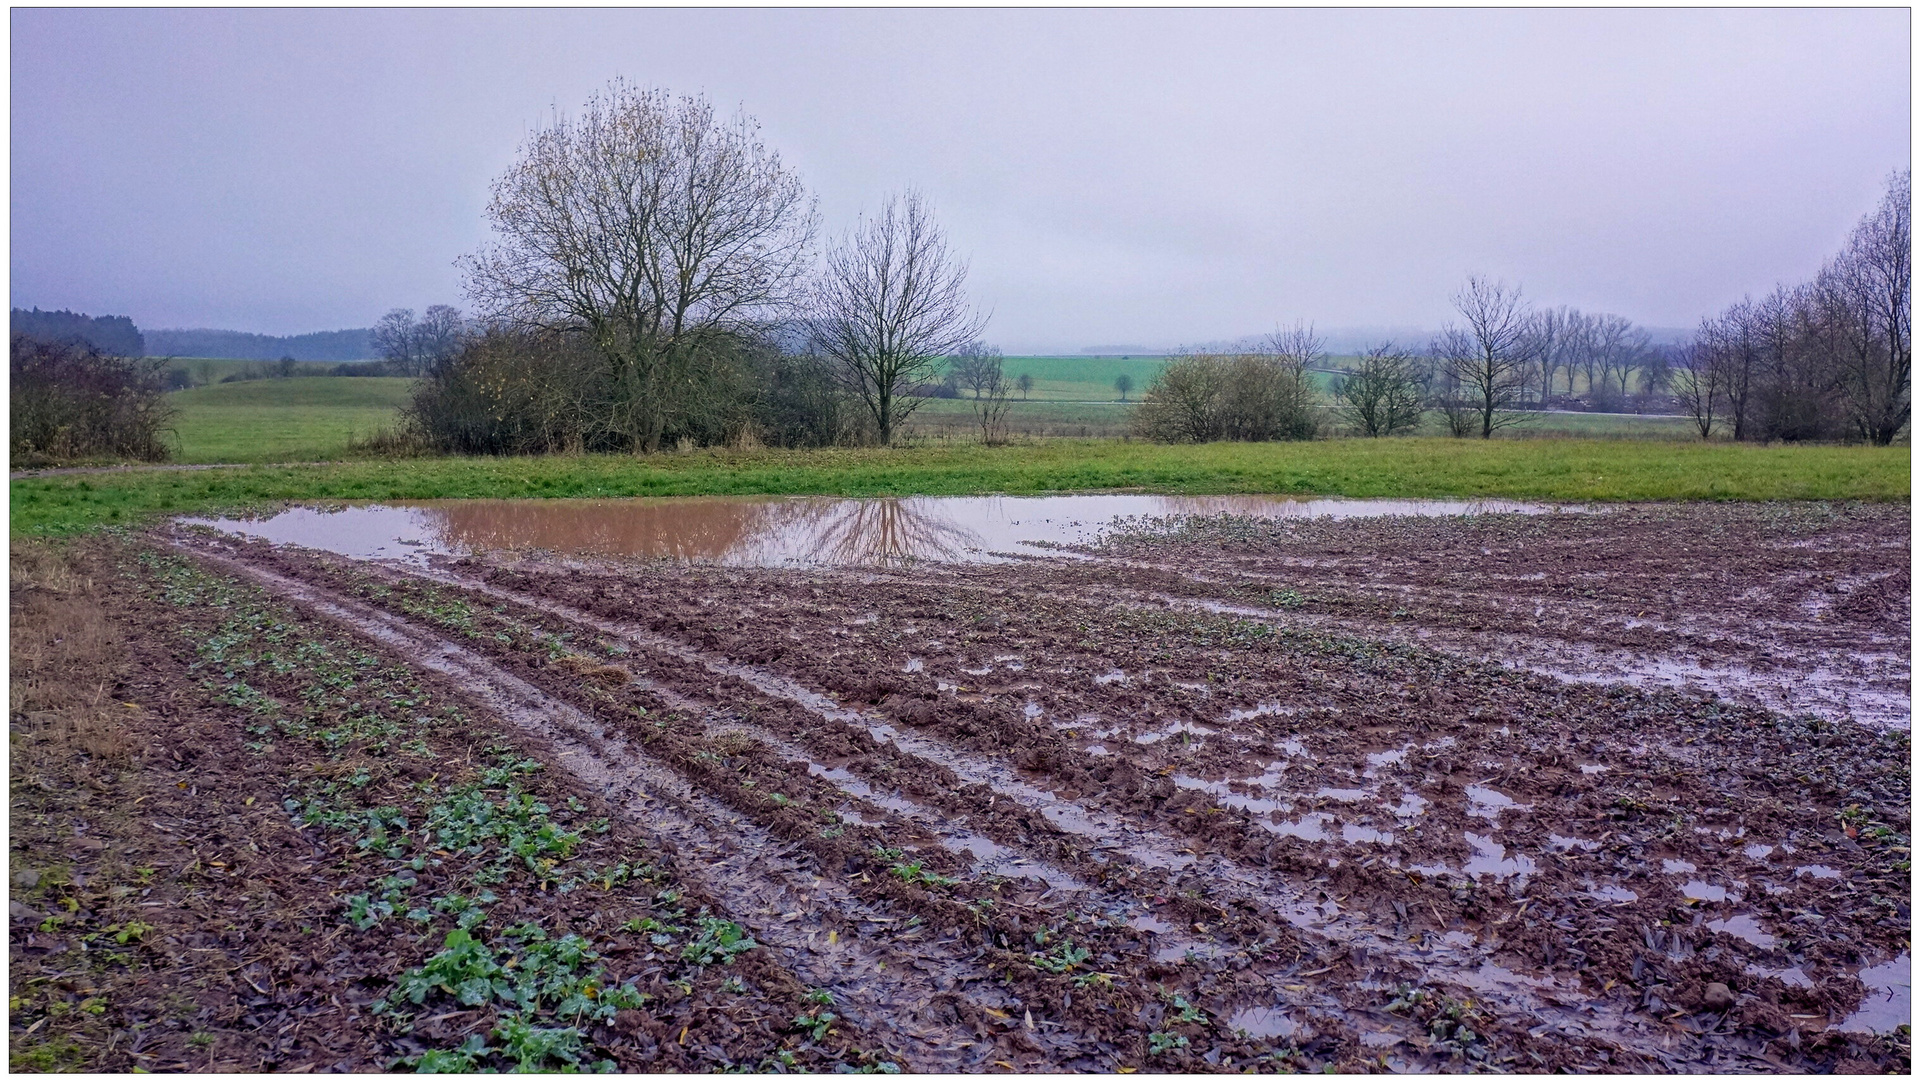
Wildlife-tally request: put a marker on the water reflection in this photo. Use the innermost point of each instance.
(779, 531)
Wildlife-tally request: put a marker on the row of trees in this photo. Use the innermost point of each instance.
(654, 279)
(1829, 358)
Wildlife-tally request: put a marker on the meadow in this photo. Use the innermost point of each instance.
(272, 420)
(1572, 470)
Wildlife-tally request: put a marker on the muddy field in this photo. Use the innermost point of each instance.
(1595, 792)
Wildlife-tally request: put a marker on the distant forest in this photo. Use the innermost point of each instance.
(239, 345)
(114, 335)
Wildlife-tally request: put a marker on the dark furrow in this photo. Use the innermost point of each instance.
(820, 927)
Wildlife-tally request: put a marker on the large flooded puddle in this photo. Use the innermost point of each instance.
(783, 531)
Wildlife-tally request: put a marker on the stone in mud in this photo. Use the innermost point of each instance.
(1719, 997)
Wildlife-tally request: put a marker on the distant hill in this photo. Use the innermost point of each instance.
(332, 345)
(114, 335)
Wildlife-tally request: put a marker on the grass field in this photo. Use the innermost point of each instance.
(268, 420)
(1549, 469)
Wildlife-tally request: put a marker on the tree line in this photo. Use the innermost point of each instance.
(1828, 358)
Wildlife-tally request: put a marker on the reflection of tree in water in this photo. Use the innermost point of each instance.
(738, 530)
(695, 528)
(882, 531)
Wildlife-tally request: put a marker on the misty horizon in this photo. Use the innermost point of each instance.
(1147, 178)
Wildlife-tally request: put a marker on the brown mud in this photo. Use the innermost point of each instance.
(1215, 794)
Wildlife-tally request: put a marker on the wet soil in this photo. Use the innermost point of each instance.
(1225, 793)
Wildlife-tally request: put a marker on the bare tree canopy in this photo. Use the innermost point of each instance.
(1827, 359)
(396, 339)
(1384, 394)
(650, 225)
(976, 364)
(890, 302)
(1485, 367)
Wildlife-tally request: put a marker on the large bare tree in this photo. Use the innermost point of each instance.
(654, 227)
(1486, 366)
(890, 302)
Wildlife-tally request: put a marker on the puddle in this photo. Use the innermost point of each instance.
(1887, 1001)
(1113, 676)
(1744, 926)
(1487, 803)
(1342, 794)
(1221, 790)
(780, 530)
(1261, 1022)
(1593, 770)
(1823, 873)
(1567, 843)
(1186, 727)
(990, 856)
(1488, 857)
(1678, 866)
(1705, 892)
(1613, 894)
(913, 663)
(1758, 852)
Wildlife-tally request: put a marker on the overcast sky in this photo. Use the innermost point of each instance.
(1116, 177)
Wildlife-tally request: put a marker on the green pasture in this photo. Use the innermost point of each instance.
(268, 420)
(1572, 470)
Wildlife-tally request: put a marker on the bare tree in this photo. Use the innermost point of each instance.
(1025, 384)
(651, 226)
(1486, 365)
(1699, 383)
(438, 335)
(396, 339)
(991, 401)
(1123, 384)
(1384, 394)
(889, 304)
(1870, 286)
(976, 365)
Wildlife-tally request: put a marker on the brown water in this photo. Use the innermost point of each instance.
(783, 531)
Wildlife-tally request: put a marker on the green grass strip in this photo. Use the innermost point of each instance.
(1566, 470)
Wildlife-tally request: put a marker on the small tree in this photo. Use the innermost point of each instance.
(396, 339)
(890, 303)
(976, 366)
(1025, 385)
(1183, 404)
(1699, 384)
(1486, 366)
(1384, 394)
(1123, 384)
(991, 400)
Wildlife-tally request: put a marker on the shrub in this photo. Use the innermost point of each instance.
(1250, 398)
(71, 401)
(507, 391)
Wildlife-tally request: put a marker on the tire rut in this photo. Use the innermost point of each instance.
(816, 923)
(1565, 1009)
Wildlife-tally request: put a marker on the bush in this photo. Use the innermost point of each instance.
(508, 391)
(1205, 398)
(70, 401)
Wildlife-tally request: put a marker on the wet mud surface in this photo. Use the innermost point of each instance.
(1619, 792)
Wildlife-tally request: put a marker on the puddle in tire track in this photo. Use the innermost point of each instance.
(718, 848)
